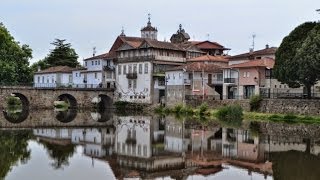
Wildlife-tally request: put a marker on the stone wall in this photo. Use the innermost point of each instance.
(295, 106)
(212, 103)
(281, 106)
(44, 98)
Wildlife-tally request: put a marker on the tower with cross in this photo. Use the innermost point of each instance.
(149, 31)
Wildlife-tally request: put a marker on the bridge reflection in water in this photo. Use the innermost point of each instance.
(151, 146)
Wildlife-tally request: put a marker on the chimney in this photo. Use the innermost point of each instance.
(267, 46)
(39, 68)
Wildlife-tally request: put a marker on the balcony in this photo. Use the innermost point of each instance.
(230, 80)
(108, 68)
(132, 76)
(187, 82)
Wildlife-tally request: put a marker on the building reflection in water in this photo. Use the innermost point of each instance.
(149, 147)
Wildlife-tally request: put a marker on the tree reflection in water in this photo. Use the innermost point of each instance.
(59, 153)
(13, 149)
(295, 165)
(16, 116)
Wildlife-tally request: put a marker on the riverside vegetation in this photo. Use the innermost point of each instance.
(234, 113)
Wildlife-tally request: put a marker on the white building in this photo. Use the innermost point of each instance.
(58, 76)
(99, 72)
(141, 63)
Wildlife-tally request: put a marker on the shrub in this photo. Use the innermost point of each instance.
(255, 102)
(230, 113)
(187, 110)
(203, 108)
(177, 109)
(159, 109)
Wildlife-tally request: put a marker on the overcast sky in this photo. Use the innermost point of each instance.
(89, 23)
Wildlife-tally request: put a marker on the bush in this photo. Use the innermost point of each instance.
(203, 108)
(187, 110)
(255, 102)
(230, 113)
(177, 109)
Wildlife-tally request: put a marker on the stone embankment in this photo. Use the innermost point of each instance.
(294, 106)
(278, 106)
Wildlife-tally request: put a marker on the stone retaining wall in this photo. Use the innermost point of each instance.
(295, 106)
(281, 106)
(194, 102)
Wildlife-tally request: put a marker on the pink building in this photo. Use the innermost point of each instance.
(253, 75)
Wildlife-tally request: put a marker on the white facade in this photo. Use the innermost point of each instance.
(99, 72)
(134, 89)
(53, 80)
(133, 136)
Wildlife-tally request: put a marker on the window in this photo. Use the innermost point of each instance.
(134, 84)
(109, 75)
(108, 62)
(92, 63)
(130, 68)
(139, 150)
(86, 63)
(95, 75)
(124, 69)
(135, 68)
(52, 79)
(76, 74)
(129, 83)
(96, 62)
(140, 68)
(146, 68)
(38, 79)
(248, 74)
(42, 79)
(119, 69)
(144, 150)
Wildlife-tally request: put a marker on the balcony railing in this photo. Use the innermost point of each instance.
(187, 81)
(229, 80)
(132, 76)
(108, 68)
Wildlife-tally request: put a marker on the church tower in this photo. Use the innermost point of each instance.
(149, 31)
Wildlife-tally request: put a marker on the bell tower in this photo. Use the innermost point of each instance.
(149, 31)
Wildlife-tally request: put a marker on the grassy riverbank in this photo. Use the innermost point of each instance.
(233, 113)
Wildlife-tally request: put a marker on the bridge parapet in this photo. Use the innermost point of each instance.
(43, 98)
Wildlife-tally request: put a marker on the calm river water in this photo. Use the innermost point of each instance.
(91, 145)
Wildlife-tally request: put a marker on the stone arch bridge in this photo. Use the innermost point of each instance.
(43, 98)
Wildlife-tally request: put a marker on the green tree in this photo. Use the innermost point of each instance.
(14, 59)
(14, 149)
(62, 55)
(288, 67)
(308, 59)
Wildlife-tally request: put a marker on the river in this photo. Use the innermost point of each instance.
(80, 145)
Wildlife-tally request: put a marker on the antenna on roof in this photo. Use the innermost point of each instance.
(94, 51)
(253, 38)
(208, 37)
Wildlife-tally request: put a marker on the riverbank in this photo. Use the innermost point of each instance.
(233, 112)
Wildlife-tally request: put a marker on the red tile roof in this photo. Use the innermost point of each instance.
(265, 62)
(266, 51)
(56, 69)
(208, 45)
(209, 58)
(198, 67)
(101, 56)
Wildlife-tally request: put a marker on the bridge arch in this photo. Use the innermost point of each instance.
(66, 116)
(16, 117)
(69, 99)
(105, 102)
